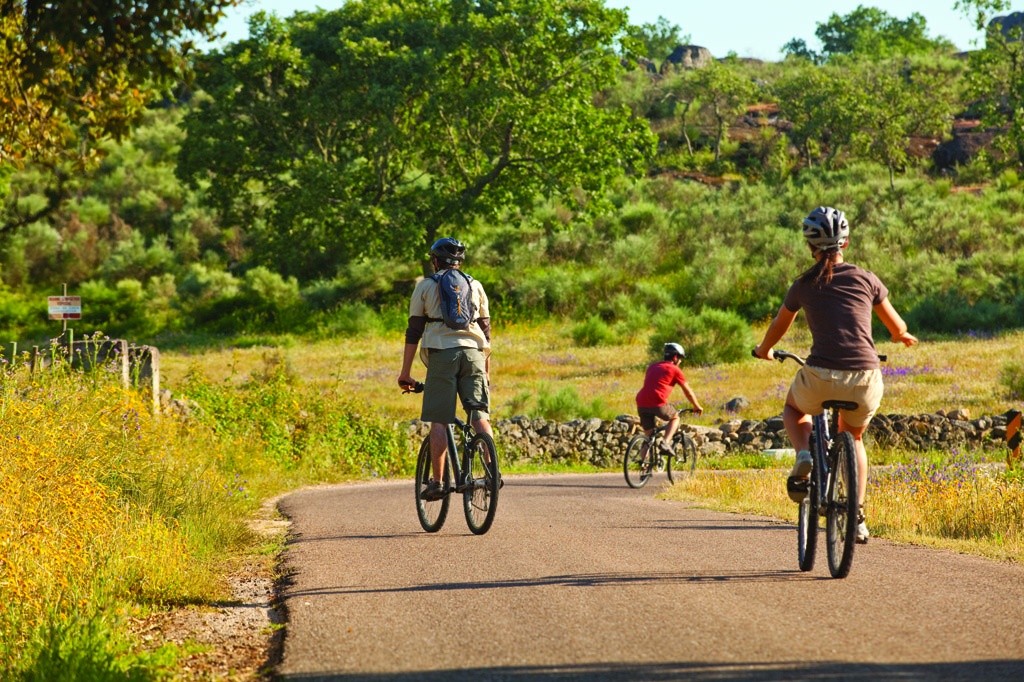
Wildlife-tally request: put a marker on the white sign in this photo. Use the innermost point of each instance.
(64, 307)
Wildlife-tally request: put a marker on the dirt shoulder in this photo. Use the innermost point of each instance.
(237, 640)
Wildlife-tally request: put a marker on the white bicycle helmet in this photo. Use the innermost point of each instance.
(674, 349)
(826, 228)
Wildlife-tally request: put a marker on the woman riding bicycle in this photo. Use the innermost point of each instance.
(838, 298)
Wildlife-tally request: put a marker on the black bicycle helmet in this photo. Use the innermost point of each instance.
(674, 349)
(448, 250)
(825, 228)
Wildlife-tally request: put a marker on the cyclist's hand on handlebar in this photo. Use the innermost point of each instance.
(757, 352)
(906, 338)
(408, 384)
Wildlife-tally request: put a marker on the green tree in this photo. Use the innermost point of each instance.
(995, 82)
(727, 92)
(897, 102)
(797, 47)
(75, 72)
(333, 136)
(981, 9)
(871, 109)
(871, 33)
(658, 39)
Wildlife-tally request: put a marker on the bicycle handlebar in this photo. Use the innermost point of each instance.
(415, 388)
(783, 355)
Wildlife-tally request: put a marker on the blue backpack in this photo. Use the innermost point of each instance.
(457, 309)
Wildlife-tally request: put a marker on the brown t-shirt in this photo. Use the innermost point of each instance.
(839, 316)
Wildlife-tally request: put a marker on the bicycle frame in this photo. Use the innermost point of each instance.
(822, 427)
(460, 460)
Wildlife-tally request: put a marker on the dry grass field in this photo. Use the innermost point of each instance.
(532, 359)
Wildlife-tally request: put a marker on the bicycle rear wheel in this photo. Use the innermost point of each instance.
(431, 513)
(841, 510)
(637, 463)
(483, 480)
(684, 461)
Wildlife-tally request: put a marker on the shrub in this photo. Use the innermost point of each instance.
(592, 332)
(269, 300)
(566, 404)
(709, 337)
(350, 319)
(120, 311)
(1011, 376)
(952, 313)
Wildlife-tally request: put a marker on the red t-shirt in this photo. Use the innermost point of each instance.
(661, 377)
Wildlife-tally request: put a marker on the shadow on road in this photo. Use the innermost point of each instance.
(703, 672)
(541, 483)
(580, 580)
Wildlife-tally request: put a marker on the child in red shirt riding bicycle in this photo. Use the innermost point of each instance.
(652, 399)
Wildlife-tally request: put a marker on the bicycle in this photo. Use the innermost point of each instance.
(831, 488)
(476, 477)
(644, 456)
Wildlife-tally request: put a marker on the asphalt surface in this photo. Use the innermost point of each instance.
(582, 578)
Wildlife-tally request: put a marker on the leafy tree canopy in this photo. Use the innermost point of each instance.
(363, 131)
(658, 39)
(75, 72)
(872, 33)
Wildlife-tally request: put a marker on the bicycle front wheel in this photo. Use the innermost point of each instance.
(636, 465)
(483, 480)
(431, 513)
(807, 531)
(841, 512)
(684, 461)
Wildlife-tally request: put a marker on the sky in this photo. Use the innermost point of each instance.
(750, 28)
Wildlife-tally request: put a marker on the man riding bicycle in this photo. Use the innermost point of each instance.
(457, 360)
(652, 398)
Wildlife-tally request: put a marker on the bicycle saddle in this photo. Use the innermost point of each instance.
(840, 405)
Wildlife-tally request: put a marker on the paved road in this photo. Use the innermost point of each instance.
(584, 578)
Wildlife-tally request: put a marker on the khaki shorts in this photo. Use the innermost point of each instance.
(451, 373)
(814, 385)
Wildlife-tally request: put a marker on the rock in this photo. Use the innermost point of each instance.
(736, 404)
(687, 57)
(1011, 25)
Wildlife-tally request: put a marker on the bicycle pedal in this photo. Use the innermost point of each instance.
(797, 487)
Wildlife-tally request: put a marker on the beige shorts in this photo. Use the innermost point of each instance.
(814, 385)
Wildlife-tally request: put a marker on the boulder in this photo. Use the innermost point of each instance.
(687, 57)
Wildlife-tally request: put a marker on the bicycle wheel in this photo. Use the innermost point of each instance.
(684, 461)
(483, 480)
(841, 510)
(431, 513)
(807, 532)
(636, 464)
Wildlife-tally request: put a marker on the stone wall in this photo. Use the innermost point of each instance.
(602, 443)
